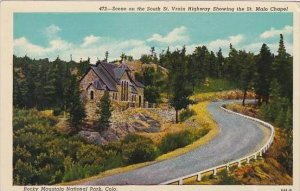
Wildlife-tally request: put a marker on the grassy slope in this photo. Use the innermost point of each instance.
(215, 85)
(265, 171)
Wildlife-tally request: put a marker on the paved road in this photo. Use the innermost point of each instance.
(237, 138)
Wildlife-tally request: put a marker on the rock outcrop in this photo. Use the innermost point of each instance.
(124, 123)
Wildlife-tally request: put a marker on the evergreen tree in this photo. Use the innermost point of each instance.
(104, 110)
(106, 56)
(262, 75)
(198, 66)
(232, 64)
(212, 65)
(282, 70)
(77, 110)
(220, 64)
(246, 61)
(180, 88)
(194, 76)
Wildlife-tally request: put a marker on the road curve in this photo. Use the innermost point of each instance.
(237, 138)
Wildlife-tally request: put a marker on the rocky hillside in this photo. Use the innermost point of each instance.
(129, 121)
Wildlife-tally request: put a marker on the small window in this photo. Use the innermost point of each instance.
(92, 95)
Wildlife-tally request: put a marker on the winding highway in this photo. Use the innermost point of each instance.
(237, 138)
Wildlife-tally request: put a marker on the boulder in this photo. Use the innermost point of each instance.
(92, 137)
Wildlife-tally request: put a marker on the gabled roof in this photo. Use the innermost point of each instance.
(109, 76)
(105, 77)
(138, 84)
(119, 73)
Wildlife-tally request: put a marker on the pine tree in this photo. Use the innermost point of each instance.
(180, 88)
(213, 72)
(262, 76)
(246, 61)
(282, 70)
(232, 64)
(104, 110)
(220, 64)
(106, 56)
(77, 111)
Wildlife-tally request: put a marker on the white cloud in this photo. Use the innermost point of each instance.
(224, 43)
(255, 47)
(90, 47)
(176, 35)
(89, 40)
(56, 47)
(52, 30)
(276, 32)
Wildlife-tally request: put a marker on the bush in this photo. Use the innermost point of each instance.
(225, 179)
(42, 155)
(138, 149)
(186, 114)
(57, 111)
(79, 172)
(177, 140)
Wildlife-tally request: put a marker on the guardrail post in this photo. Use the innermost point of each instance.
(215, 172)
(180, 182)
(248, 160)
(260, 153)
(239, 163)
(255, 156)
(199, 177)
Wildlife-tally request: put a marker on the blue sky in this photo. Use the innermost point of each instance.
(83, 35)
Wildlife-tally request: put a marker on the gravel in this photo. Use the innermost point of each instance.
(237, 138)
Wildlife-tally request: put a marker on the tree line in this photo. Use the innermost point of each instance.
(261, 73)
(43, 84)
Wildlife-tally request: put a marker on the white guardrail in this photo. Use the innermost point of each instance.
(237, 162)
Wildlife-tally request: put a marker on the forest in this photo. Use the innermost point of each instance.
(53, 85)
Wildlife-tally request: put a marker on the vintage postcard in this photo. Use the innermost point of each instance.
(185, 95)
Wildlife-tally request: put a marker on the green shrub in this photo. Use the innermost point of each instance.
(80, 172)
(89, 154)
(186, 114)
(57, 111)
(177, 140)
(138, 149)
(225, 179)
(42, 155)
(131, 138)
